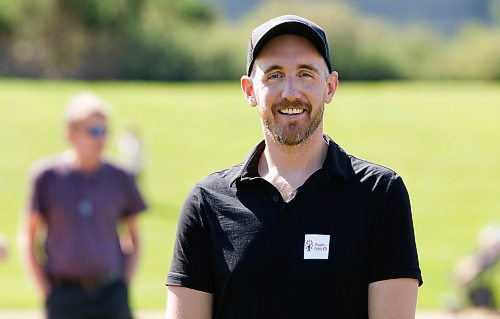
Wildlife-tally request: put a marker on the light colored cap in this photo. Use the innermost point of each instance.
(84, 105)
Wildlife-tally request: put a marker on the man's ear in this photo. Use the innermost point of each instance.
(332, 83)
(247, 87)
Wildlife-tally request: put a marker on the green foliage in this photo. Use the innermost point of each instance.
(495, 9)
(6, 27)
(170, 47)
(365, 48)
(187, 40)
(474, 54)
(96, 14)
(93, 39)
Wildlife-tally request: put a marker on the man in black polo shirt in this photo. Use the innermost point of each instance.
(300, 229)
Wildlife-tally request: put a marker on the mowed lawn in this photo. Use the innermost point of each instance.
(443, 138)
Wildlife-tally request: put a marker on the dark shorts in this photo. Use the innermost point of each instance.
(109, 301)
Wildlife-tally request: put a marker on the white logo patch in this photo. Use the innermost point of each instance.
(316, 246)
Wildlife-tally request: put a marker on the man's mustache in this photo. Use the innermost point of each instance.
(285, 103)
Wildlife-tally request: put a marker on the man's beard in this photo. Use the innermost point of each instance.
(291, 133)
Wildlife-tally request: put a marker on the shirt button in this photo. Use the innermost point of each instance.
(276, 198)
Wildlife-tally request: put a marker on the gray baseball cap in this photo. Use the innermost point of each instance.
(287, 24)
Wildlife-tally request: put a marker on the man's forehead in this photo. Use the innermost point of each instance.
(94, 118)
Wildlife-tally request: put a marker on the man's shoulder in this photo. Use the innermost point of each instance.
(115, 169)
(221, 179)
(214, 188)
(358, 169)
(365, 167)
(46, 166)
(372, 173)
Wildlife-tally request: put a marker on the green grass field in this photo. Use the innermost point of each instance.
(443, 138)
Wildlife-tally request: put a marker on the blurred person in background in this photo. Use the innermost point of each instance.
(475, 272)
(82, 210)
(300, 229)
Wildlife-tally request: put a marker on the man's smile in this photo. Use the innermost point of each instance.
(291, 111)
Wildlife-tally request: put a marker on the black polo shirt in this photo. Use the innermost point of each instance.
(347, 226)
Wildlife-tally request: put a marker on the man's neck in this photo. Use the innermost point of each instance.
(83, 164)
(288, 167)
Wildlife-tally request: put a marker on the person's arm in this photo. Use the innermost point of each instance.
(193, 264)
(392, 299)
(4, 252)
(28, 243)
(130, 246)
(185, 303)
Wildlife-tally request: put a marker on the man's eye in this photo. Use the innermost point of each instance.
(306, 75)
(274, 76)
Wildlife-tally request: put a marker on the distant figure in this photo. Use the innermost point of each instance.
(130, 149)
(473, 272)
(4, 252)
(76, 204)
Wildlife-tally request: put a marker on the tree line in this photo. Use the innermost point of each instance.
(189, 40)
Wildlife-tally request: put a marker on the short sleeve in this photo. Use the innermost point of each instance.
(134, 200)
(393, 251)
(36, 197)
(192, 260)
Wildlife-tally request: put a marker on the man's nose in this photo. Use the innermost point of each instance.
(290, 89)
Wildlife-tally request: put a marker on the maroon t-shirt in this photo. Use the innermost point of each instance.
(82, 212)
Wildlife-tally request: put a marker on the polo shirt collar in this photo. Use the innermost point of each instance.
(336, 164)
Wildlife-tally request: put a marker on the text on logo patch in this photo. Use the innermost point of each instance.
(316, 246)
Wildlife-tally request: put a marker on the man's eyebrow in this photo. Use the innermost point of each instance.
(308, 67)
(273, 68)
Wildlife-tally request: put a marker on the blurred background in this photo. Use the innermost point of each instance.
(161, 39)
(420, 93)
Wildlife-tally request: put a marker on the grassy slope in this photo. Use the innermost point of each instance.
(442, 138)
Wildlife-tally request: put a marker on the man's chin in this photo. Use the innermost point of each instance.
(290, 139)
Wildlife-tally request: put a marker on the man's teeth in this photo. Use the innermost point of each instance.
(291, 111)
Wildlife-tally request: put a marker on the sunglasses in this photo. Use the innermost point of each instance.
(97, 131)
